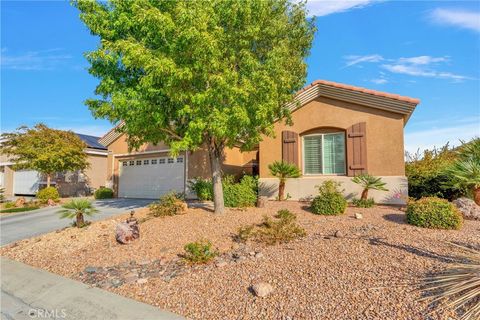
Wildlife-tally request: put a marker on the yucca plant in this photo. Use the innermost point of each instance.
(466, 170)
(369, 182)
(77, 208)
(458, 288)
(283, 171)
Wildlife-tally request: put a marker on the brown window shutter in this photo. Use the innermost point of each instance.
(357, 149)
(290, 147)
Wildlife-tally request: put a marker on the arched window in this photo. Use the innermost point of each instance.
(324, 153)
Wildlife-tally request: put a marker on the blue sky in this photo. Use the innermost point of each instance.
(426, 50)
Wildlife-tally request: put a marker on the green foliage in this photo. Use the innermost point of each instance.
(21, 209)
(45, 150)
(170, 204)
(2, 195)
(48, 193)
(103, 193)
(362, 203)
(330, 200)
(369, 182)
(428, 176)
(9, 204)
(236, 194)
(199, 252)
(195, 73)
(241, 194)
(77, 208)
(203, 188)
(432, 212)
(465, 170)
(283, 228)
(284, 170)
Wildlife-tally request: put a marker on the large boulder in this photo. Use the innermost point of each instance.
(468, 208)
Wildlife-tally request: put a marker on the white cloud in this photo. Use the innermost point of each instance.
(438, 136)
(352, 60)
(415, 70)
(379, 81)
(423, 60)
(322, 8)
(457, 17)
(34, 60)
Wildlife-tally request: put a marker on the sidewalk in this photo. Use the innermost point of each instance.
(29, 293)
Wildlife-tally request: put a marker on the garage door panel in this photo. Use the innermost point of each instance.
(26, 182)
(150, 180)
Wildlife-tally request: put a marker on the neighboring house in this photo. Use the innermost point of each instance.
(28, 182)
(338, 131)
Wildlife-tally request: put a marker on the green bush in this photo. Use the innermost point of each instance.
(48, 193)
(361, 203)
(433, 212)
(9, 205)
(235, 194)
(2, 194)
(103, 193)
(203, 188)
(271, 231)
(199, 252)
(330, 200)
(170, 204)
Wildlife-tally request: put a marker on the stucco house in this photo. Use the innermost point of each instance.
(338, 131)
(28, 182)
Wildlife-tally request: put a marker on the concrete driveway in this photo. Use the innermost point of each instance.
(33, 223)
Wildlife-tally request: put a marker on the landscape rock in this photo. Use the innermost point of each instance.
(262, 289)
(127, 231)
(259, 255)
(221, 264)
(339, 234)
(51, 203)
(358, 216)
(90, 269)
(142, 281)
(20, 202)
(468, 208)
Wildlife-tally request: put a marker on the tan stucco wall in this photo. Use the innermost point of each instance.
(385, 146)
(97, 172)
(8, 180)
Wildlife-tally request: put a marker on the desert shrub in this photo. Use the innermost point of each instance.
(428, 177)
(283, 228)
(170, 204)
(9, 205)
(235, 194)
(103, 193)
(199, 252)
(203, 188)
(362, 203)
(78, 208)
(48, 193)
(283, 171)
(432, 212)
(330, 200)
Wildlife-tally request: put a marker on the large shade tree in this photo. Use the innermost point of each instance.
(196, 74)
(45, 150)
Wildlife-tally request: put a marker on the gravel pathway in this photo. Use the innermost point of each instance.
(369, 270)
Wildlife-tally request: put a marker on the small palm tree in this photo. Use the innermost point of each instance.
(283, 171)
(77, 208)
(369, 182)
(466, 170)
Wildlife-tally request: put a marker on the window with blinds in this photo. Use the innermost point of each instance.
(324, 153)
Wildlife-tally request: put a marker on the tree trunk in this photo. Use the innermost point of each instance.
(281, 190)
(476, 195)
(48, 179)
(215, 153)
(80, 222)
(364, 194)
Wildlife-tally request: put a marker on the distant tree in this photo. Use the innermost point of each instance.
(195, 74)
(45, 150)
(283, 171)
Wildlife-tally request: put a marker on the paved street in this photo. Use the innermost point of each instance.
(25, 225)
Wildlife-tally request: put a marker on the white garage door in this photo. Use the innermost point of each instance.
(151, 177)
(26, 182)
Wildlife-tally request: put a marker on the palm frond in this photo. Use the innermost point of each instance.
(458, 288)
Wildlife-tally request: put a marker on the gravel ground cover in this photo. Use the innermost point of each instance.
(345, 268)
